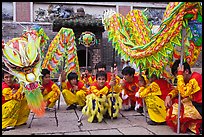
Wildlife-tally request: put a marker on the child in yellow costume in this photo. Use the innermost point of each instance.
(74, 91)
(154, 95)
(50, 90)
(97, 102)
(15, 110)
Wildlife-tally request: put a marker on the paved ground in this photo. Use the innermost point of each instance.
(128, 123)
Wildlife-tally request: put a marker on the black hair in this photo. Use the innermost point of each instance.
(147, 72)
(114, 63)
(44, 72)
(89, 70)
(128, 71)
(72, 75)
(5, 72)
(101, 73)
(176, 65)
(100, 65)
(142, 77)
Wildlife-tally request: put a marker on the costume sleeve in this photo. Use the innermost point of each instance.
(8, 93)
(152, 89)
(187, 89)
(173, 93)
(18, 95)
(44, 92)
(117, 87)
(55, 88)
(64, 85)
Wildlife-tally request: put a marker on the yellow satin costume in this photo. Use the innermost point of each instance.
(154, 99)
(51, 93)
(74, 97)
(15, 110)
(190, 118)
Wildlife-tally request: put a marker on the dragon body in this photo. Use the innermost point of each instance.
(62, 49)
(132, 37)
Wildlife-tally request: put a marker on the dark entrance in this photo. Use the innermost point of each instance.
(82, 58)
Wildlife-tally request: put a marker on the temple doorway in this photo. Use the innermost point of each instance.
(82, 58)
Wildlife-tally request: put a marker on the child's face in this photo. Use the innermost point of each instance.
(101, 81)
(8, 78)
(73, 81)
(46, 79)
(141, 81)
(128, 78)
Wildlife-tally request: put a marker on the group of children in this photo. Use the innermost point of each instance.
(105, 94)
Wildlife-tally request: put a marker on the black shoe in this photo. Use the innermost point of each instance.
(115, 117)
(24, 123)
(107, 116)
(152, 123)
(162, 123)
(80, 108)
(95, 120)
(140, 110)
(71, 107)
(129, 109)
(132, 108)
(200, 130)
(8, 128)
(155, 123)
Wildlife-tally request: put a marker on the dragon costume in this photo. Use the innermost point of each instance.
(132, 37)
(23, 56)
(61, 50)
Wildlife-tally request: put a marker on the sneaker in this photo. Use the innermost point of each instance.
(140, 110)
(8, 128)
(72, 106)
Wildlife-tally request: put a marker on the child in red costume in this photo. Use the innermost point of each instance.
(130, 87)
(190, 88)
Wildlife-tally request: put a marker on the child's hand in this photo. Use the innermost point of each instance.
(122, 83)
(75, 88)
(168, 102)
(42, 88)
(180, 68)
(112, 83)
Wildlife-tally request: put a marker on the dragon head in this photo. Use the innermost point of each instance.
(22, 56)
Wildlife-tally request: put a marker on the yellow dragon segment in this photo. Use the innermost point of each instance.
(62, 48)
(131, 36)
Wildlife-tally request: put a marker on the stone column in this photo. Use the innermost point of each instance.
(124, 9)
(23, 12)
